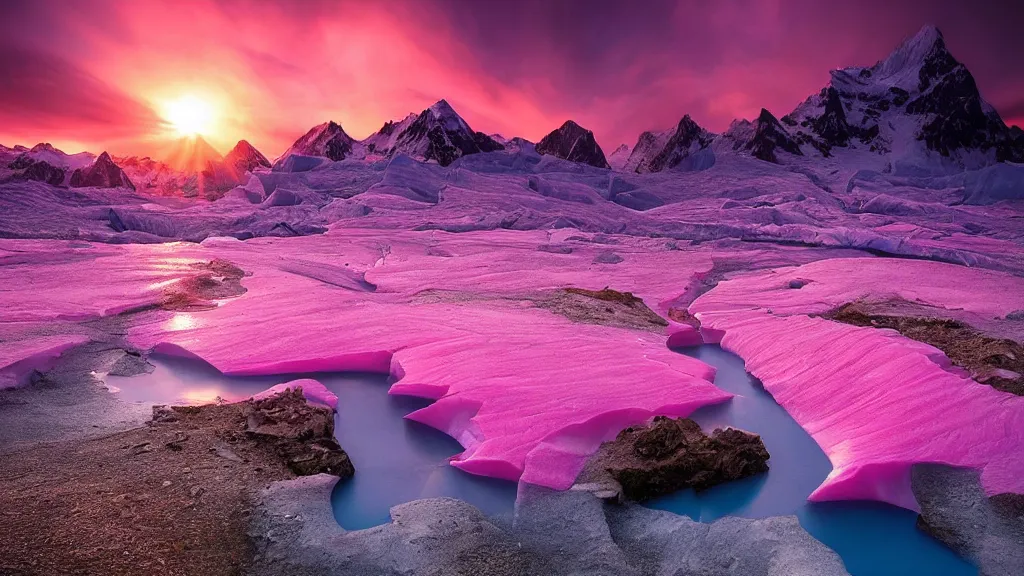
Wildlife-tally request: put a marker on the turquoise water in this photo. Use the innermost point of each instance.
(397, 461)
(873, 539)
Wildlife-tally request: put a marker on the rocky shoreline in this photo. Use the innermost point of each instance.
(171, 497)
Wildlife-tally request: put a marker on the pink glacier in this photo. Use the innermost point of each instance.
(875, 401)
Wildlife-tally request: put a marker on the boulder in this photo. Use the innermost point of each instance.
(674, 454)
(302, 433)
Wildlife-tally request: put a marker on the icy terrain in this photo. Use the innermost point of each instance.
(442, 257)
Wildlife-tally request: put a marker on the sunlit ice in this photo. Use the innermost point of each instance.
(755, 266)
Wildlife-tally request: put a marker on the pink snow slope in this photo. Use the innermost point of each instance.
(528, 393)
(19, 359)
(312, 390)
(875, 401)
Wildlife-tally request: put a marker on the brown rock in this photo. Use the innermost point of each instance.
(302, 433)
(674, 454)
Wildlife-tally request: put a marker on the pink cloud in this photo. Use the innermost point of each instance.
(274, 69)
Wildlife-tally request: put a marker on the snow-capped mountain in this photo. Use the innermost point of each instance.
(918, 107)
(437, 134)
(190, 168)
(665, 150)
(42, 163)
(381, 142)
(244, 157)
(103, 173)
(574, 143)
(328, 140)
(764, 138)
(649, 145)
(618, 158)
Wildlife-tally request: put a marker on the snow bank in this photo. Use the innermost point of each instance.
(312, 390)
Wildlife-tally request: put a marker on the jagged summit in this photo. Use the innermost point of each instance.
(384, 140)
(927, 45)
(574, 143)
(436, 134)
(244, 157)
(327, 140)
(688, 138)
(618, 158)
(918, 107)
(103, 173)
(769, 138)
(647, 146)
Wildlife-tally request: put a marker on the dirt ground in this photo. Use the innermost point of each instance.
(172, 497)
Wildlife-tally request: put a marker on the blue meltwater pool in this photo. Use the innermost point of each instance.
(873, 539)
(397, 461)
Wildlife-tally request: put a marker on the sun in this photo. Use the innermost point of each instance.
(189, 115)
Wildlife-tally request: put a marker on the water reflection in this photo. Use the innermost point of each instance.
(396, 460)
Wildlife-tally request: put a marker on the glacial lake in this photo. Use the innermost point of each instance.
(397, 461)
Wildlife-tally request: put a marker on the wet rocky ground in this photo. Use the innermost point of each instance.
(173, 496)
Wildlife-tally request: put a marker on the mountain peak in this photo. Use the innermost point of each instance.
(928, 36)
(103, 173)
(327, 140)
(923, 54)
(244, 157)
(441, 107)
(572, 125)
(574, 143)
(688, 139)
(191, 154)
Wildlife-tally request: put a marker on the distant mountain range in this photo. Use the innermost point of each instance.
(917, 110)
(436, 134)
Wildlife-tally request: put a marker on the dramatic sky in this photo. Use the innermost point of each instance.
(97, 74)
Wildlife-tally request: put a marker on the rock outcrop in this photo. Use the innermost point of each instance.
(989, 531)
(770, 137)
(574, 143)
(37, 170)
(103, 173)
(672, 454)
(302, 434)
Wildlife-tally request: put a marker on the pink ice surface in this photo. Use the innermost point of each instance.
(875, 401)
(312, 390)
(49, 285)
(18, 359)
(529, 394)
(48, 280)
